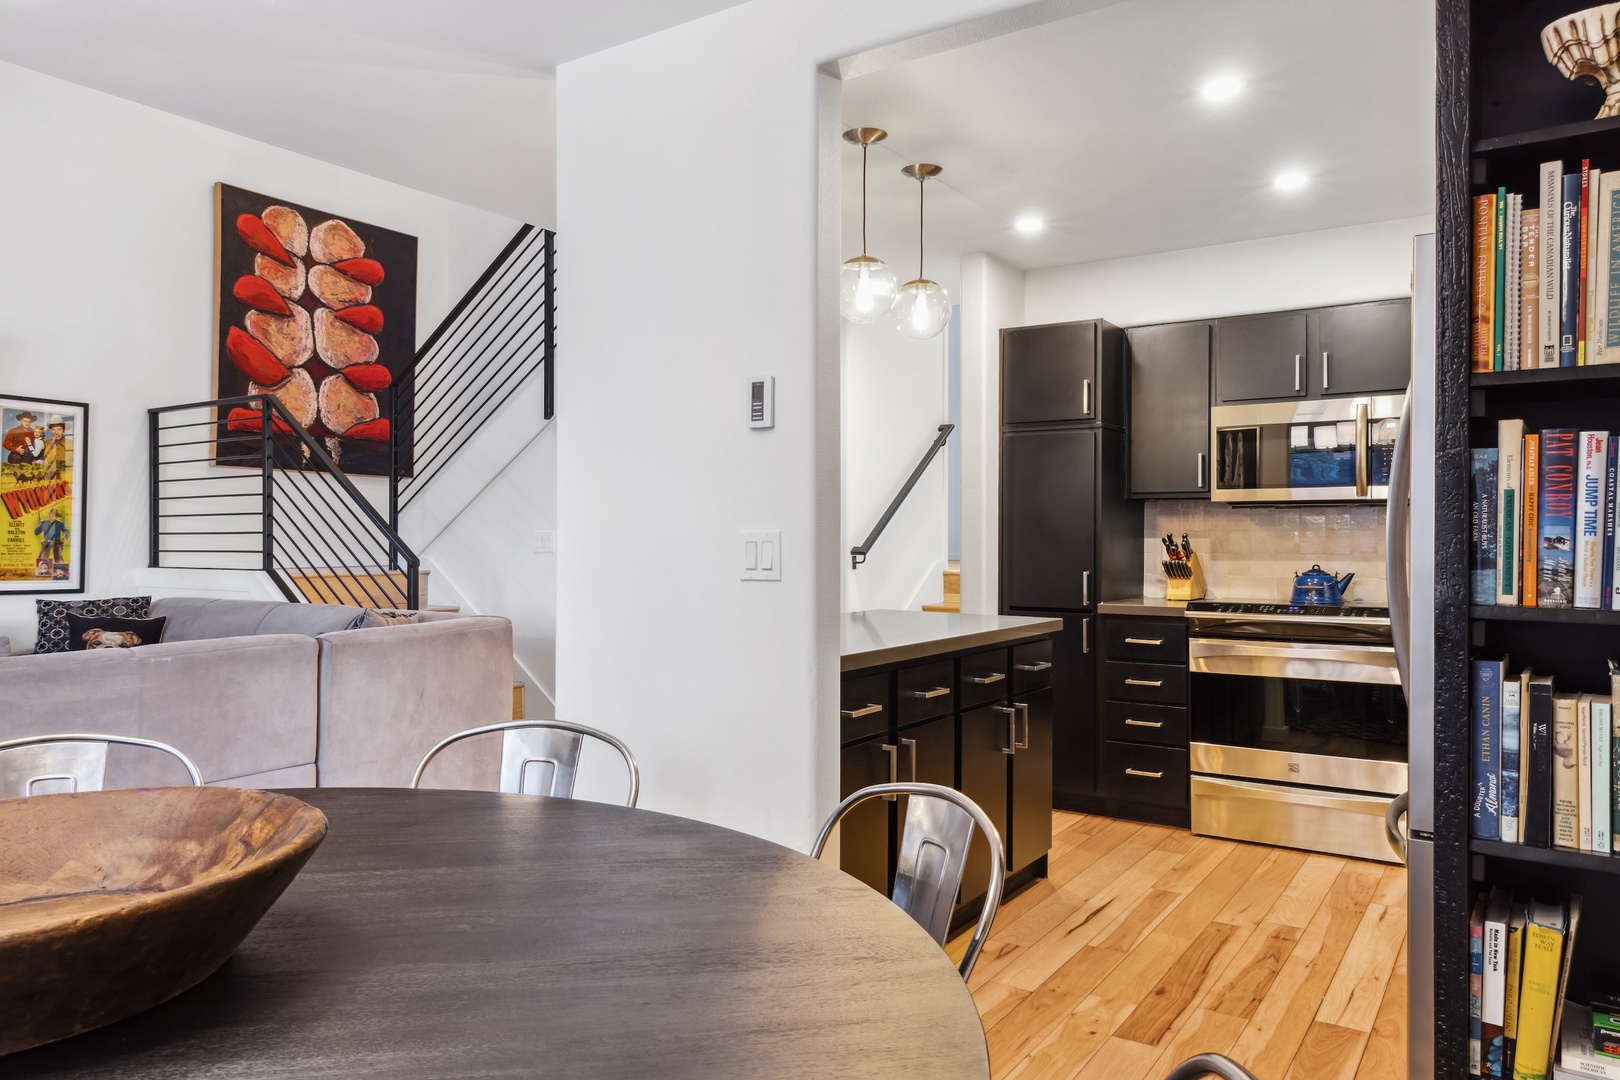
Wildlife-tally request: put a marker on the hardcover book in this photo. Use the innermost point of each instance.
(1499, 233)
(1487, 804)
(1493, 992)
(1538, 993)
(1523, 681)
(1548, 306)
(1555, 570)
(1583, 770)
(1484, 279)
(1611, 477)
(1593, 447)
(1510, 284)
(1532, 517)
(1581, 254)
(1566, 783)
(1515, 967)
(1512, 745)
(1476, 981)
(1602, 775)
(1482, 525)
(1538, 774)
(1569, 269)
(1603, 337)
(1529, 287)
(1575, 1053)
(1509, 510)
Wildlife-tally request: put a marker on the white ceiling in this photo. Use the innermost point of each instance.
(408, 90)
(1096, 123)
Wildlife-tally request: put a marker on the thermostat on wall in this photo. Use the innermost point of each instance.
(762, 401)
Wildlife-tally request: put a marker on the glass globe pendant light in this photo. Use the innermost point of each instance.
(866, 285)
(923, 308)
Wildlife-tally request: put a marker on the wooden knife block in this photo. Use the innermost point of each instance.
(1192, 588)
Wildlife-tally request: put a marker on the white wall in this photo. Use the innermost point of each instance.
(716, 261)
(893, 392)
(1334, 266)
(992, 297)
(106, 294)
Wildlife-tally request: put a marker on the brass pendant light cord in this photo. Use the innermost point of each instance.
(863, 199)
(920, 187)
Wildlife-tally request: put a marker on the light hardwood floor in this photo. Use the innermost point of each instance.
(1148, 944)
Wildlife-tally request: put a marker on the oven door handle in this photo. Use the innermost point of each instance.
(1294, 660)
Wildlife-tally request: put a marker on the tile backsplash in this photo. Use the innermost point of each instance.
(1253, 552)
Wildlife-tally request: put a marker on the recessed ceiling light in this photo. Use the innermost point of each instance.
(1224, 88)
(1029, 223)
(1292, 180)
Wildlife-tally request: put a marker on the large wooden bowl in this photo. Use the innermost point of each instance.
(112, 902)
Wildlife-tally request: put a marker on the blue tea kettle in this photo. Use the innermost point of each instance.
(1317, 586)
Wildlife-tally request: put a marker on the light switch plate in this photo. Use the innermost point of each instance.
(762, 556)
(762, 401)
(545, 542)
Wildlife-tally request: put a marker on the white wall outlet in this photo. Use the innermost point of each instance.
(545, 542)
(762, 556)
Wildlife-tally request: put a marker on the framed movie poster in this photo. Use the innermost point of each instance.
(319, 311)
(42, 474)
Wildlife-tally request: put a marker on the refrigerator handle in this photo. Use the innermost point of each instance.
(1085, 588)
(1393, 832)
(1397, 544)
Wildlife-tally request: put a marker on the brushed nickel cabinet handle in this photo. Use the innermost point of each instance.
(1155, 683)
(1145, 774)
(1012, 728)
(986, 680)
(1085, 397)
(1023, 710)
(1038, 666)
(1296, 372)
(856, 714)
(894, 768)
(1131, 722)
(938, 691)
(1085, 588)
(911, 746)
(1324, 369)
(1144, 641)
(1085, 636)
(1202, 461)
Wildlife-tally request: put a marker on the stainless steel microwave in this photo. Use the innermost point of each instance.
(1333, 450)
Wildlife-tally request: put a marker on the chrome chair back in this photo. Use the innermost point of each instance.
(540, 757)
(52, 764)
(1200, 1065)
(938, 826)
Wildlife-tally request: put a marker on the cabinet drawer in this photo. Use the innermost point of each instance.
(1164, 725)
(1147, 774)
(863, 708)
(985, 677)
(1154, 683)
(925, 692)
(1032, 666)
(1132, 637)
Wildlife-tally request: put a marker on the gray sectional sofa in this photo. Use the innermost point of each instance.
(264, 694)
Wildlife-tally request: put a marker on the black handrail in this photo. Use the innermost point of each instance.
(858, 553)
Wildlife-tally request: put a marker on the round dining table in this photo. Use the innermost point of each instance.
(472, 934)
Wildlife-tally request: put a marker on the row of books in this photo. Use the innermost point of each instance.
(1543, 518)
(1519, 959)
(1545, 764)
(1546, 289)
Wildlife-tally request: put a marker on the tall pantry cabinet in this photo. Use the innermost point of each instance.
(1070, 536)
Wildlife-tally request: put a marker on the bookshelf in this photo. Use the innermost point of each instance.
(1501, 111)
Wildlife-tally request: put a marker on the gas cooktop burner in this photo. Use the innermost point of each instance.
(1313, 611)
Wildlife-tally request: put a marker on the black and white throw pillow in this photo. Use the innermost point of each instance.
(108, 632)
(53, 626)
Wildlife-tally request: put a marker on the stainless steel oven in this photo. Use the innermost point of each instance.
(1335, 450)
(1298, 725)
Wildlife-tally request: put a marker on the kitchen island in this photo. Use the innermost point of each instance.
(959, 700)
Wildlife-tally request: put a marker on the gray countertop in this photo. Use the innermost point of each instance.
(1143, 605)
(873, 638)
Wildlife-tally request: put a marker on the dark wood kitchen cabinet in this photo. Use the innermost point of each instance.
(1142, 769)
(1169, 446)
(1048, 519)
(1316, 353)
(863, 848)
(1063, 373)
(1261, 357)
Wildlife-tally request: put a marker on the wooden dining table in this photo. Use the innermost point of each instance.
(472, 934)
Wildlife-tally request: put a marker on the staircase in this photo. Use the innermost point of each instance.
(953, 589)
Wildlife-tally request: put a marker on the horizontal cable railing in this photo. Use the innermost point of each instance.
(499, 334)
(238, 484)
(858, 553)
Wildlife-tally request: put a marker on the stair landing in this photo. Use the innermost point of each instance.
(953, 590)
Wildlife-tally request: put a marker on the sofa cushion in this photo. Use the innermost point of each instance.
(53, 627)
(87, 632)
(197, 618)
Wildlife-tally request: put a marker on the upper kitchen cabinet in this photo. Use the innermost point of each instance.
(1049, 519)
(1169, 447)
(1261, 357)
(1362, 348)
(1063, 373)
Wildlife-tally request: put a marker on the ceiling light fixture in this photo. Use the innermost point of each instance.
(1224, 88)
(1029, 224)
(923, 307)
(866, 286)
(1292, 180)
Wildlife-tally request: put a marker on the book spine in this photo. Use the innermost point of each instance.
(1476, 983)
(1521, 811)
(1583, 770)
(1483, 525)
(1509, 510)
(1569, 268)
(1512, 733)
(1499, 278)
(1538, 994)
(1614, 774)
(1604, 345)
(1581, 256)
(1552, 190)
(1594, 458)
(1532, 518)
(1537, 778)
(1511, 300)
(1484, 264)
(1493, 993)
(1566, 770)
(1555, 572)
(1487, 807)
(1510, 1004)
(1529, 287)
(1611, 476)
(1602, 785)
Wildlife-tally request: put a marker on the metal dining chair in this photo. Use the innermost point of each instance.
(540, 757)
(78, 760)
(933, 853)
(1200, 1065)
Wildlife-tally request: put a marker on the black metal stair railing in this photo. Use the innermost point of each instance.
(238, 484)
(858, 553)
(498, 335)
